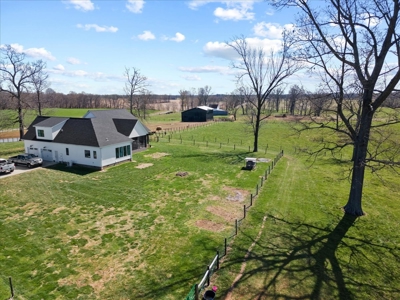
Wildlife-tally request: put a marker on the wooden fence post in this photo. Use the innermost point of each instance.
(11, 287)
(217, 260)
(196, 291)
(236, 227)
(208, 275)
(226, 246)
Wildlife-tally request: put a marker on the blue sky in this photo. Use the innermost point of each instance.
(177, 44)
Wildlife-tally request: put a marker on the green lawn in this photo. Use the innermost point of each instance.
(128, 233)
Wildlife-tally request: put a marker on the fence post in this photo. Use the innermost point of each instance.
(196, 291)
(262, 180)
(226, 246)
(236, 227)
(217, 260)
(251, 199)
(11, 287)
(208, 275)
(257, 189)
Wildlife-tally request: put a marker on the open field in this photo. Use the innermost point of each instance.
(137, 230)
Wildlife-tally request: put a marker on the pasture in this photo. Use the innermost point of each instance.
(137, 230)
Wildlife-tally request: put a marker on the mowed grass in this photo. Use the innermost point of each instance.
(124, 233)
(131, 233)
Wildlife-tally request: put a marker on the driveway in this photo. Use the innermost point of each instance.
(22, 169)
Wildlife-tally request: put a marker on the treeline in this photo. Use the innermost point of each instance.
(52, 99)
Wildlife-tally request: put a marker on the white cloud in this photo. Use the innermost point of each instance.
(207, 69)
(191, 77)
(135, 6)
(222, 50)
(179, 37)
(235, 14)
(146, 35)
(59, 67)
(73, 61)
(271, 30)
(98, 28)
(235, 9)
(84, 5)
(40, 53)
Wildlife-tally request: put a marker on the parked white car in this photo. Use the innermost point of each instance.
(6, 167)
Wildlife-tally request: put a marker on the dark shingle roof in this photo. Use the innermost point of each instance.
(51, 121)
(106, 128)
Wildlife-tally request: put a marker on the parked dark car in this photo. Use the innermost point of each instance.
(26, 159)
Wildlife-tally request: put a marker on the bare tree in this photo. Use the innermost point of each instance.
(262, 73)
(144, 99)
(192, 102)
(234, 101)
(135, 84)
(352, 44)
(184, 94)
(276, 98)
(295, 93)
(16, 77)
(202, 94)
(40, 83)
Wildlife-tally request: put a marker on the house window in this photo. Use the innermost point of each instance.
(40, 133)
(67, 151)
(122, 151)
(87, 153)
(95, 154)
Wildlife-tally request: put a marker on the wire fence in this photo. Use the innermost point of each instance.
(197, 288)
(227, 144)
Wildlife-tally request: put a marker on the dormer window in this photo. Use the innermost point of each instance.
(40, 133)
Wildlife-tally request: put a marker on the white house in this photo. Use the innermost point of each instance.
(99, 139)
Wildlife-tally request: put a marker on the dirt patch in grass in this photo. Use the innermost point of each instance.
(235, 194)
(31, 209)
(157, 155)
(143, 166)
(58, 209)
(228, 214)
(210, 225)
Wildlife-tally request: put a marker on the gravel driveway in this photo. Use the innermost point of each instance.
(22, 169)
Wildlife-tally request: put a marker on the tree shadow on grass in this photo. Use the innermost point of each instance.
(169, 283)
(303, 261)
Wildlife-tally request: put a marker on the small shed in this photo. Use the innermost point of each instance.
(198, 114)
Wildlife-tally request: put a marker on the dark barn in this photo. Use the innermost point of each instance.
(198, 114)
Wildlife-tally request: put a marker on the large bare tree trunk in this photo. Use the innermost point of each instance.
(353, 206)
